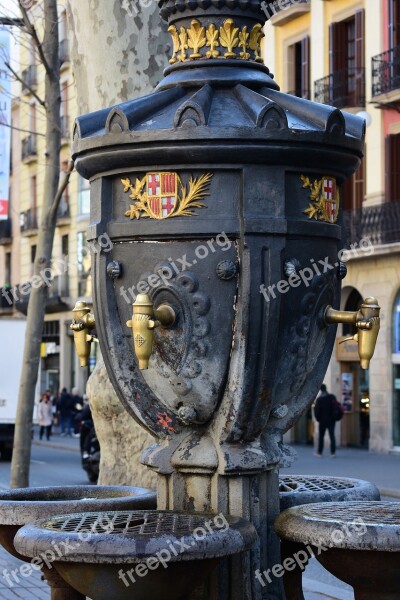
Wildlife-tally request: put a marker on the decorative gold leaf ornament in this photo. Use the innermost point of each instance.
(212, 42)
(243, 43)
(256, 35)
(183, 44)
(176, 43)
(229, 38)
(196, 38)
(325, 198)
(161, 195)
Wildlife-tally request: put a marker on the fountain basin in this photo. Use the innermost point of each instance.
(24, 505)
(358, 542)
(122, 555)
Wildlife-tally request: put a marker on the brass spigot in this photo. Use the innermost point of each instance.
(367, 321)
(144, 320)
(82, 325)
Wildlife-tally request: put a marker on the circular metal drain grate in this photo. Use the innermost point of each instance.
(370, 513)
(301, 483)
(133, 522)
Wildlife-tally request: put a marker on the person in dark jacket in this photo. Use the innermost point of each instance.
(65, 409)
(324, 411)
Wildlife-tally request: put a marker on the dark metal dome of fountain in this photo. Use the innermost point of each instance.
(216, 90)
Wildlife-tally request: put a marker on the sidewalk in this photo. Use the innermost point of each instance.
(57, 441)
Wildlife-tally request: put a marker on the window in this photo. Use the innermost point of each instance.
(396, 337)
(392, 170)
(64, 110)
(7, 273)
(347, 61)
(64, 245)
(354, 189)
(83, 196)
(299, 68)
(84, 264)
(33, 258)
(394, 23)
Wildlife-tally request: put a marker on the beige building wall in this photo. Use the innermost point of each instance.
(378, 274)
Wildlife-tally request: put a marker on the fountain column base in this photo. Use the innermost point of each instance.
(252, 496)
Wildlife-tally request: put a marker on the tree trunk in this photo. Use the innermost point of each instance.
(132, 65)
(39, 292)
(118, 53)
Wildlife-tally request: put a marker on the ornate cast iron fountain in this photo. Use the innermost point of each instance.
(221, 196)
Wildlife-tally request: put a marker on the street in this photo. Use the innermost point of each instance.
(51, 466)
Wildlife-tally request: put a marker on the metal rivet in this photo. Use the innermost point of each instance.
(226, 270)
(114, 269)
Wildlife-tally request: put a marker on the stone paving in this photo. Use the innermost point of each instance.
(26, 588)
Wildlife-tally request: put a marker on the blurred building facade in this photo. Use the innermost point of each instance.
(70, 277)
(346, 53)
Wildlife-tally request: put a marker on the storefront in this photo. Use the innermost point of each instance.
(396, 373)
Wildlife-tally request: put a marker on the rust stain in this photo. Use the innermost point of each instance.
(165, 421)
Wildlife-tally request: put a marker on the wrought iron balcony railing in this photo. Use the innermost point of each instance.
(29, 78)
(29, 147)
(386, 72)
(379, 224)
(342, 89)
(28, 220)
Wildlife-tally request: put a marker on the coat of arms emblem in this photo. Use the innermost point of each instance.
(324, 205)
(160, 195)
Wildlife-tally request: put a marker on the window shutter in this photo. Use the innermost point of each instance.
(392, 170)
(394, 23)
(305, 67)
(360, 45)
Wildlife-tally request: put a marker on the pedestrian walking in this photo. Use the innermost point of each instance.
(77, 407)
(65, 409)
(327, 411)
(45, 414)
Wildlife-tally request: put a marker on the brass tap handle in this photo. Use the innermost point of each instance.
(82, 325)
(367, 321)
(144, 320)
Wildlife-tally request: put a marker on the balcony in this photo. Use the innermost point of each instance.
(57, 300)
(64, 51)
(29, 148)
(380, 224)
(58, 294)
(28, 222)
(65, 133)
(284, 11)
(6, 300)
(386, 78)
(29, 79)
(63, 215)
(5, 232)
(342, 89)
